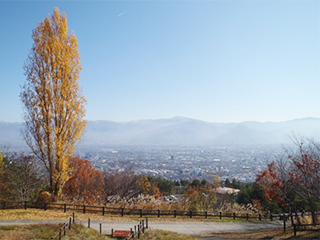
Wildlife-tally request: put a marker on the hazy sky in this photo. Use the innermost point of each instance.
(218, 61)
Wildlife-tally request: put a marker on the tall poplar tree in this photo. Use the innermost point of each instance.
(52, 99)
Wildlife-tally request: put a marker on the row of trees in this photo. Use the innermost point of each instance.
(291, 183)
(23, 179)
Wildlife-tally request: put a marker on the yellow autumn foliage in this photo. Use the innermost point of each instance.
(52, 98)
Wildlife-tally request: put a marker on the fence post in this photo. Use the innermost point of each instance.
(88, 222)
(271, 217)
(260, 216)
(122, 210)
(295, 229)
(64, 229)
(175, 213)
(158, 212)
(147, 223)
(139, 231)
(220, 215)
(25, 204)
(234, 216)
(65, 207)
(190, 214)
(103, 209)
(206, 214)
(69, 223)
(247, 216)
(100, 227)
(142, 226)
(84, 209)
(140, 213)
(60, 234)
(4, 205)
(45, 206)
(73, 217)
(111, 232)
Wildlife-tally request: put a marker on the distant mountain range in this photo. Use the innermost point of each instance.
(179, 131)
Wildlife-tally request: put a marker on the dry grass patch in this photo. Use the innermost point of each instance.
(77, 232)
(43, 231)
(18, 214)
(166, 235)
(274, 234)
(46, 231)
(52, 214)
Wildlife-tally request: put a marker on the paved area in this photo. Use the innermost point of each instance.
(191, 228)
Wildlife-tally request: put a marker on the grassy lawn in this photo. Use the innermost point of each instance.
(46, 231)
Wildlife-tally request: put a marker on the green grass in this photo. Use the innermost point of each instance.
(8, 228)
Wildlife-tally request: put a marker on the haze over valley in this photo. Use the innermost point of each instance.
(181, 148)
(179, 131)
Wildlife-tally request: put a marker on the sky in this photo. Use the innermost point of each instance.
(216, 61)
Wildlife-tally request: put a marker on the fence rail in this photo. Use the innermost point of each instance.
(305, 228)
(103, 210)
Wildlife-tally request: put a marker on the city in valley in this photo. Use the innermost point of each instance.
(189, 162)
(182, 148)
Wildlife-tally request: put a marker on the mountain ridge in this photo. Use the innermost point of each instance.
(179, 131)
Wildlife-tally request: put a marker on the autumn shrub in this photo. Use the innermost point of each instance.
(85, 185)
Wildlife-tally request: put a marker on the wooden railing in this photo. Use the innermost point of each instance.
(305, 228)
(133, 233)
(103, 210)
(66, 225)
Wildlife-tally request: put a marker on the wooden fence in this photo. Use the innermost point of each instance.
(133, 233)
(305, 228)
(103, 210)
(66, 225)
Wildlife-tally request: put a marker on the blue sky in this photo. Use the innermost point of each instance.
(217, 61)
